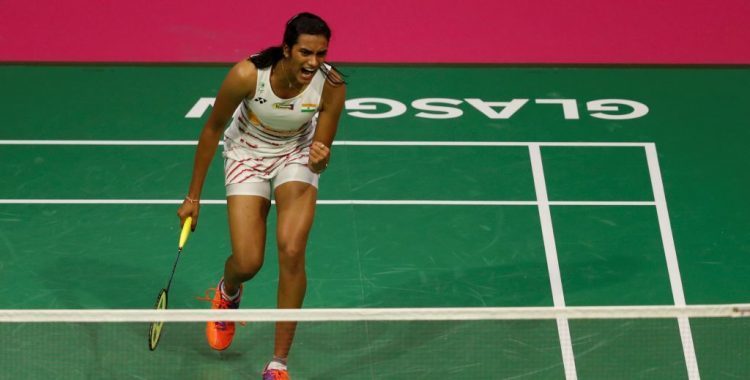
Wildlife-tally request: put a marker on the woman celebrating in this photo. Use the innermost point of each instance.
(278, 141)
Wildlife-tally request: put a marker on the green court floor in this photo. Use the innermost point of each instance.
(414, 212)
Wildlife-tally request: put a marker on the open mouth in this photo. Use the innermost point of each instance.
(307, 74)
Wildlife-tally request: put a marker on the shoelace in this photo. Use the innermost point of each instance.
(220, 304)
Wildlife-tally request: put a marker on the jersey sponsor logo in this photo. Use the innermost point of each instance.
(284, 106)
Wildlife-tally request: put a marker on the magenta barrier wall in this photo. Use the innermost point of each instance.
(406, 31)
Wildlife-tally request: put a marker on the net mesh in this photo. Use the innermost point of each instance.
(381, 344)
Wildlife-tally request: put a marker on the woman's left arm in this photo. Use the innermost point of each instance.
(332, 105)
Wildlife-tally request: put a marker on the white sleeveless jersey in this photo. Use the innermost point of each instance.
(268, 132)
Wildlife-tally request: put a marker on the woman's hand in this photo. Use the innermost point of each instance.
(319, 156)
(190, 207)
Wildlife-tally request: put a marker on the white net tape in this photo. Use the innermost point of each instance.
(378, 314)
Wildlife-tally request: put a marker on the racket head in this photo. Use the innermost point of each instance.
(154, 329)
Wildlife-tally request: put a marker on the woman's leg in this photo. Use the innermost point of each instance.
(247, 227)
(295, 205)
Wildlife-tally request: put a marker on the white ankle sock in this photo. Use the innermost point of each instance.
(276, 364)
(226, 295)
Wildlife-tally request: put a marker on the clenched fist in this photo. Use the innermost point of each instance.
(319, 156)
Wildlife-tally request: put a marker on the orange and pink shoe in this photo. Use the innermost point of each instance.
(275, 370)
(221, 333)
(275, 374)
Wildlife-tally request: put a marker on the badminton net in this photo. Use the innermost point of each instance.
(429, 343)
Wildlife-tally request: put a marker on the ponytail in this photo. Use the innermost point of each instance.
(267, 57)
(333, 75)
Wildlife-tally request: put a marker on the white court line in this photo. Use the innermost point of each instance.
(98, 142)
(350, 143)
(675, 279)
(324, 202)
(553, 266)
(487, 143)
(597, 203)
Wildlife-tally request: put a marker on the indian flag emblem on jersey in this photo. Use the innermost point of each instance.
(309, 107)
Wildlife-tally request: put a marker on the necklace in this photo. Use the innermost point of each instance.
(286, 74)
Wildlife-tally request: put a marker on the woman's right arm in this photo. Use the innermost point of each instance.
(238, 84)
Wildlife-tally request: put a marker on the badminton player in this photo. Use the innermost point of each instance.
(288, 102)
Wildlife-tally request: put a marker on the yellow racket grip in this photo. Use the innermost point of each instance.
(185, 231)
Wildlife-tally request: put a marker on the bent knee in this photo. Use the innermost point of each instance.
(246, 265)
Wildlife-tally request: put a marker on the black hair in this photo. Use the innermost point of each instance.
(302, 23)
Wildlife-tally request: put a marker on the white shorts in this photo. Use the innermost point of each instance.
(262, 188)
